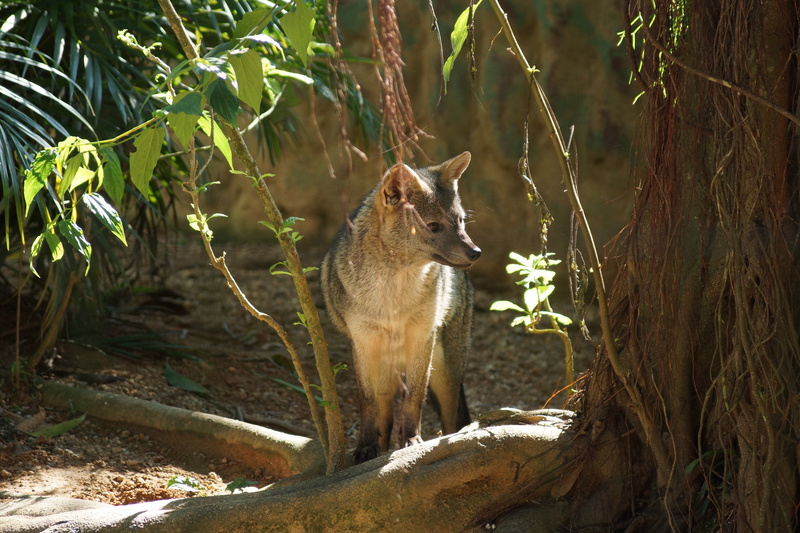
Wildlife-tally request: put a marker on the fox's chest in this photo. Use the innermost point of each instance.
(396, 300)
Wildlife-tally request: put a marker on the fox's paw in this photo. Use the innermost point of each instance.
(416, 439)
(365, 452)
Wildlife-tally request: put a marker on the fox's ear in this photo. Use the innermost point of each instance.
(452, 169)
(398, 184)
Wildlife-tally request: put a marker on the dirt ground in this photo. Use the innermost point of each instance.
(243, 366)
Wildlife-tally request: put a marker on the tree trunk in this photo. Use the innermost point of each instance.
(705, 309)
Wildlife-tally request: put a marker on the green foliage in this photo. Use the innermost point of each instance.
(240, 484)
(457, 39)
(299, 27)
(140, 93)
(176, 379)
(537, 279)
(185, 483)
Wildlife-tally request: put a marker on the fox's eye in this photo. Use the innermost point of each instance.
(435, 227)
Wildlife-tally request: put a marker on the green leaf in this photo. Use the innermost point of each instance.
(106, 214)
(183, 125)
(545, 291)
(55, 245)
(36, 177)
(249, 78)
(520, 320)
(36, 249)
(114, 181)
(144, 159)
(239, 484)
(561, 319)
(81, 176)
(218, 138)
(457, 39)
(59, 429)
(184, 483)
(74, 235)
(532, 299)
(188, 102)
(73, 164)
(298, 27)
(184, 114)
(253, 23)
(182, 382)
(222, 100)
(302, 78)
(505, 305)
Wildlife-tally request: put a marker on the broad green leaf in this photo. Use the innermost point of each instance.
(106, 214)
(36, 176)
(218, 138)
(74, 235)
(505, 305)
(81, 176)
(73, 164)
(532, 299)
(182, 382)
(522, 260)
(457, 39)
(59, 429)
(189, 102)
(55, 245)
(253, 23)
(249, 77)
(113, 181)
(298, 27)
(545, 291)
(144, 159)
(222, 100)
(183, 125)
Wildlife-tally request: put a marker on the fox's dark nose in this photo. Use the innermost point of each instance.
(474, 254)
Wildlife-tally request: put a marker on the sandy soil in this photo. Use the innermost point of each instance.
(239, 361)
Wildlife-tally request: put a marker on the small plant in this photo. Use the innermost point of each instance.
(537, 279)
(185, 483)
(240, 484)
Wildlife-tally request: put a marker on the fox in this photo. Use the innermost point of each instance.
(394, 281)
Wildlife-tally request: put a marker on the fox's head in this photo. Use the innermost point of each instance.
(422, 207)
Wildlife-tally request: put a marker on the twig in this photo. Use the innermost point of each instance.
(649, 427)
(572, 192)
(334, 439)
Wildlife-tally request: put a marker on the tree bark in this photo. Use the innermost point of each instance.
(452, 483)
(278, 453)
(705, 309)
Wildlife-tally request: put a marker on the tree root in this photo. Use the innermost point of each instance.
(461, 481)
(279, 453)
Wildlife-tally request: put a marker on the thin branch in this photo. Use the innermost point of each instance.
(650, 429)
(572, 192)
(220, 264)
(336, 451)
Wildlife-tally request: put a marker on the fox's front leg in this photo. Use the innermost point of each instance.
(418, 366)
(377, 383)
